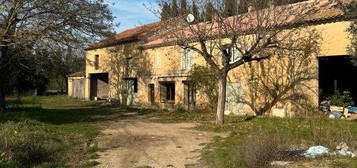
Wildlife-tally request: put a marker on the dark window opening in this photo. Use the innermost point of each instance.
(135, 85)
(96, 62)
(132, 83)
(167, 92)
(336, 73)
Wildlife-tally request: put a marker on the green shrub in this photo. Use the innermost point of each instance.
(341, 99)
(206, 83)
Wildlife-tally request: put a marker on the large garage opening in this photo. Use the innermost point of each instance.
(337, 73)
(99, 86)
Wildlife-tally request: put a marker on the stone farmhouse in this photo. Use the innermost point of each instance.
(150, 71)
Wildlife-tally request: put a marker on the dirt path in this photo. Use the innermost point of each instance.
(143, 143)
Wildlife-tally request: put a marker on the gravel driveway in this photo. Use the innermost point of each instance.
(143, 143)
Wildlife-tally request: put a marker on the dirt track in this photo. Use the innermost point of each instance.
(140, 142)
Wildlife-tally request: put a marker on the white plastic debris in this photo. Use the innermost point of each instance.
(315, 151)
(346, 153)
(342, 149)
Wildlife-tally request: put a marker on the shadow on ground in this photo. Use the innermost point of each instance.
(62, 110)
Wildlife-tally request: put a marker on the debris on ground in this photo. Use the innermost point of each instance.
(325, 106)
(338, 112)
(335, 115)
(343, 149)
(352, 109)
(342, 146)
(315, 151)
(346, 153)
(336, 108)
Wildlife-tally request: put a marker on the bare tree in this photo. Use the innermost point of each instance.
(283, 80)
(38, 23)
(228, 43)
(30, 22)
(124, 62)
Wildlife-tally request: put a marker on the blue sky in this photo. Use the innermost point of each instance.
(132, 13)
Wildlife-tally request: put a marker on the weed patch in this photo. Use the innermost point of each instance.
(257, 142)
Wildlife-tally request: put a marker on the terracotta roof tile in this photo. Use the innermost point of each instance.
(127, 35)
(324, 10)
(327, 11)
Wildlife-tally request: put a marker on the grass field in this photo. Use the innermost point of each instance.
(48, 132)
(58, 132)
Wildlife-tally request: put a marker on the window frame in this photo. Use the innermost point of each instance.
(234, 53)
(186, 59)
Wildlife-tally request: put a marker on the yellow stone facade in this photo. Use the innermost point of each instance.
(165, 68)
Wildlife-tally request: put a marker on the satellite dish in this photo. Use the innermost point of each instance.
(190, 18)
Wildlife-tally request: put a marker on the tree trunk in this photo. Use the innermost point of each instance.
(221, 105)
(2, 62)
(3, 105)
(4, 58)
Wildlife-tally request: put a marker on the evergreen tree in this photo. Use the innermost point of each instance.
(196, 12)
(243, 6)
(230, 8)
(209, 12)
(174, 9)
(165, 11)
(184, 7)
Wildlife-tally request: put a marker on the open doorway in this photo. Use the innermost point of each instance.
(167, 92)
(99, 86)
(130, 91)
(151, 94)
(189, 95)
(337, 72)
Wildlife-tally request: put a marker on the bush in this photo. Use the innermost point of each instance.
(262, 148)
(206, 83)
(343, 99)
